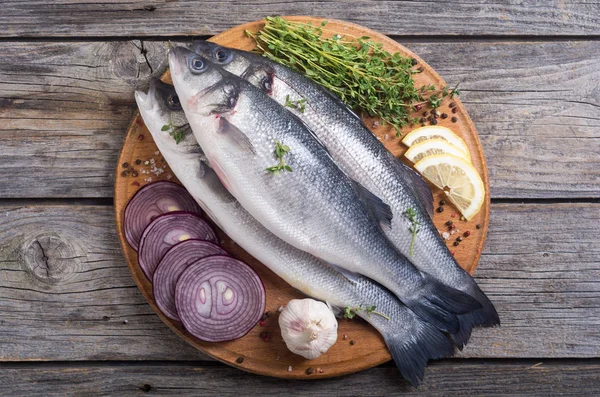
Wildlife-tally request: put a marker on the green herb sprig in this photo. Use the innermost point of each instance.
(300, 104)
(350, 311)
(178, 133)
(280, 151)
(411, 214)
(367, 78)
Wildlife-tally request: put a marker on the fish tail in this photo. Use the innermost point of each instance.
(411, 353)
(439, 304)
(487, 316)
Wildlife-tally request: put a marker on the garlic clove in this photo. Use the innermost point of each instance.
(308, 327)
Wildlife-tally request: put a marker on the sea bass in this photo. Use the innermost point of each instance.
(314, 207)
(365, 159)
(411, 341)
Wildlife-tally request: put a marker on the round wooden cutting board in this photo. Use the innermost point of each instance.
(359, 346)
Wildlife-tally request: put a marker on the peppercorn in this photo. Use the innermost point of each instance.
(452, 105)
(134, 174)
(141, 137)
(454, 110)
(265, 316)
(425, 113)
(436, 116)
(413, 61)
(440, 209)
(239, 360)
(261, 323)
(124, 173)
(345, 337)
(352, 343)
(478, 226)
(444, 116)
(456, 243)
(452, 227)
(125, 165)
(449, 223)
(309, 371)
(452, 253)
(418, 107)
(459, 239)
(138, 162)
(423, 120)
(467, 233)
(434, 121)
(442, 202)
(454, 119)
(320, 371)
(420, 69)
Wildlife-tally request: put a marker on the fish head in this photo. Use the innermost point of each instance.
(248, 66)
(164, 117)
(203, 87)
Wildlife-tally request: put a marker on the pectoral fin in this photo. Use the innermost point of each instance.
(236, 136)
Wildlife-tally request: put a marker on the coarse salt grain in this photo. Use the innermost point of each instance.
(156, 153)
(386, 137)
(446, 235)
(169, 176)
(452, 231)
(290, 368)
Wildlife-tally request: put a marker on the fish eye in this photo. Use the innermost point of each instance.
(198, 65)
(173, 102)
(222, 55)
(265, 83)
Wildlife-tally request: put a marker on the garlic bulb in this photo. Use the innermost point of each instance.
(308, 327)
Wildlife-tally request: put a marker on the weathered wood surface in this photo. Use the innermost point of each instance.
(65, 291)
(74, 18)
(65, 108)
(456, 378)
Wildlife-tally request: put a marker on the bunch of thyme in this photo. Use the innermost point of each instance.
(367, 78)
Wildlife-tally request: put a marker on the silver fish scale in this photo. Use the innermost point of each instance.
(315, 207)
(364, 158)
(298, 268)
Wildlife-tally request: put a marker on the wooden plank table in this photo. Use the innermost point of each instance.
(73, 322)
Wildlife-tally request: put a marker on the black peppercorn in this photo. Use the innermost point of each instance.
(138, 162)
(134, 174)
(454, 110)
(449, 223)
(425, 113)
(440, 209)
(444, 116)
(454, 119)
(413, 61)
(442, 202)
(124, 173)
(434, 121)
(239, 360)
(420, 70)
(423, 120)
(456, 243)
(478, 226)
(125, 165)
(452, 105)
(309, 371)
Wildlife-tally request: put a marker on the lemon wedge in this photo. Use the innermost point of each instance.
(419, 151)
(435, 132)
(459, 180)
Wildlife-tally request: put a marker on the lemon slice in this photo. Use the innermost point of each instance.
(459, 180)
(420, 150)
(435, 132)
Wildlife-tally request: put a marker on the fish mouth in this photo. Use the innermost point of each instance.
(147, 100)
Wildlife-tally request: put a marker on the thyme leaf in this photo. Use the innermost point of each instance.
(280, 151)
(411, 214)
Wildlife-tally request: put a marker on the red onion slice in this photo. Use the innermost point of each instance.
(172, 264)
(151, 201)
(167, 230)
(219, 298)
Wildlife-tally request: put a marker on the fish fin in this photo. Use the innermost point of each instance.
(336, 310)
(412, 354)
(416, 184)
(240, 139)
(439, 304)
(379, 210)
(487, 316)
(351, 276)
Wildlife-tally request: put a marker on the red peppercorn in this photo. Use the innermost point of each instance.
(454, 110)
(135, 183)
(452, 253)
(141, 137)
(453, 215)
(467, 233)
(418, 107)
(261, 323)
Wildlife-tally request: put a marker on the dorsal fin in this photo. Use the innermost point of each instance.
(376, 208)
(417, 184)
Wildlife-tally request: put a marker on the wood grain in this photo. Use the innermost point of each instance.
(75, 18)
(265, 359)
(539, 267)
(65, 111)
(451, 377)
